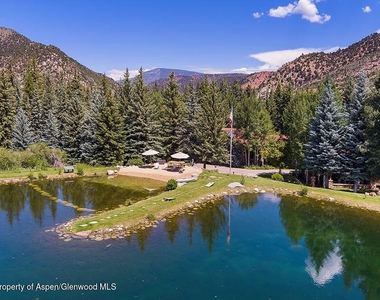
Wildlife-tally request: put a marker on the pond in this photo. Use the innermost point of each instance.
(240, 247)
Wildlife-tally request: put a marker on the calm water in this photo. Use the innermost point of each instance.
(245, 247)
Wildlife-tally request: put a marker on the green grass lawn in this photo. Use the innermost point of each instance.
(156, 208)
(50, 172)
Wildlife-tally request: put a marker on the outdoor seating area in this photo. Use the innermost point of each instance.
(177, 165)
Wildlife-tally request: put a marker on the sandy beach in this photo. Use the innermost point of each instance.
(159, 174)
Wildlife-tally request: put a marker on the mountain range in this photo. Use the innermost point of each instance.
(305, 71)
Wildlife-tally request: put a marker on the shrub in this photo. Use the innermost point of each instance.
(135, 162)
(41, 176)
(31, 176)
(171, 185)
(80, 169)
(291, 179)
(277, 176)
(242, 180)
(303, 191)
(150, 218)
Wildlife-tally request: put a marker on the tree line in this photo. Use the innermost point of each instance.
(327, 131)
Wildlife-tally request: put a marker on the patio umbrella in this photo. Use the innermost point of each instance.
(150, 152)
(179, 155)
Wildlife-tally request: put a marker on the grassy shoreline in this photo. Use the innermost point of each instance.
(146, 212)
(50, 173)
(194, 194)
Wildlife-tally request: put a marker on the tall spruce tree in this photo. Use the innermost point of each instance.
(143, 130)
(88, 128)
(109, 134)
(22, 135)
(173, 129)
(72, 115)
(353, 153)
(323, 150)
(212, 141)
(192, 108)
(8, 108)
(372, 113)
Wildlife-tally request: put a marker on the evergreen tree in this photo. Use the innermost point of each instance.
(88, 128)
(143, 131)
(72, 115)
(353, 154)
(212, 142)
(190, 124)
(22, 135)
(372, 113)
(32, 100)
(8, 108)
(51, 133)
(109, 135)
(322, 152)
(172, 117)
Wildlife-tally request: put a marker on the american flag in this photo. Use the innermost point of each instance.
(231, 116)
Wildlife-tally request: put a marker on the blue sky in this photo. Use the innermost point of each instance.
(207, 36)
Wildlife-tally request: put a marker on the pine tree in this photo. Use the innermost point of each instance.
(212, 142)
(353, 154)
(88, 128)
(22, 135)
(109, 136)
(172, 117)
(72, 115)
(143, 131)
(322, 152)
(8, 108)
(372, 113)
(190, 124)
(51, 133)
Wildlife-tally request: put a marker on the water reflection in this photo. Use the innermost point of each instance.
(211, 218)
(88, 193)
(339, 241)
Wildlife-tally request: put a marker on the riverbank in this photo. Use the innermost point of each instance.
(125, 220)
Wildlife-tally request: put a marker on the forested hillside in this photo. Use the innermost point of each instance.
(17, 51)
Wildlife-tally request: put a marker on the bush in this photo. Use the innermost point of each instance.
(291, 179)
(277, 177)
(171, 185)
(80, 169)
(242, 180)
(303, 191)
(41, 176)
(135, 162)
(31, 176)
(150, 217)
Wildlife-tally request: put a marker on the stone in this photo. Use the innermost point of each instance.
(81, 234)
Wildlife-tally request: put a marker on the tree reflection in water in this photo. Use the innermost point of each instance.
(339, 240)
(94, 193)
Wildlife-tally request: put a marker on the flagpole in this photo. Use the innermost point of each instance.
(231, 123)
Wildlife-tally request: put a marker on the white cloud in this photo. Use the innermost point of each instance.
(366, 9)
(281, 11)
(119, 74)
(378, 31)
(257, 15)
(274, 59)
(306, 8)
